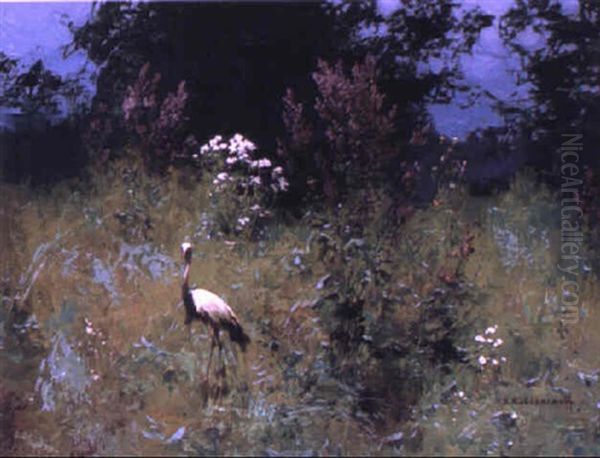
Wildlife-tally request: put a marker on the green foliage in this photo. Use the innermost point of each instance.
(391, 300)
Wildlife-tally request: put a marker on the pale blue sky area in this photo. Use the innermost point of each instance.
(38, 30)
(33, 30)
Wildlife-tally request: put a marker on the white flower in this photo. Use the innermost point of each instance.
(238, 145)
(255, 208)
(479, 338)
(261, 163)
(231, 160)
(494, 361)
(243, 221)
(215, 142)
(482, 360)
(283, 184)
(277, 171)
(222, 176)
(491, 330)
(248, 145)
(255, 181)
(498, 342)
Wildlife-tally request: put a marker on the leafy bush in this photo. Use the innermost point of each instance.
(158, 126)
(353, 139)
(392, 300)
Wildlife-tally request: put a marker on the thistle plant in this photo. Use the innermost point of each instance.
(243, 185)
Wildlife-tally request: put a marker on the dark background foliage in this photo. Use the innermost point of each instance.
(238, 62)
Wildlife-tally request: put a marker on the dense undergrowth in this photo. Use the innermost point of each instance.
(360, 297)
(339, 298)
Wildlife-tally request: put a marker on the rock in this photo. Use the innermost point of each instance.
(177, 435)
(354, 242)
(504, 419)
(561, 390)
(394, 439)
(322, 281)
(588, 379)
(532, 381)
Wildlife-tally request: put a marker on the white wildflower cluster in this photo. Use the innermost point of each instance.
(488, 345)
(242, 222)
(237, 155)
(248, 180)
(214, 144)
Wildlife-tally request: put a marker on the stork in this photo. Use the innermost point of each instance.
(209, 308)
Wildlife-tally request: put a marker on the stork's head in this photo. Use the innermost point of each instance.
(186, 252)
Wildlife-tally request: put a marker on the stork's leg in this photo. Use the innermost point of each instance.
(222, 371)
(212, 347)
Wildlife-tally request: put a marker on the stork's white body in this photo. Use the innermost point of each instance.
(208, 303)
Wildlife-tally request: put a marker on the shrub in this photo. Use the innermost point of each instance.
(158, 127)
(358, 127)
(355, 141)
(393, 300)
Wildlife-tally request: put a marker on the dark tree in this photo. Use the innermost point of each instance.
(236, 60)
(38, 143)
(418, 48)
(34, 90)
(563, 75)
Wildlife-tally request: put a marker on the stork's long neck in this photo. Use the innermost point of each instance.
(186, 275)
